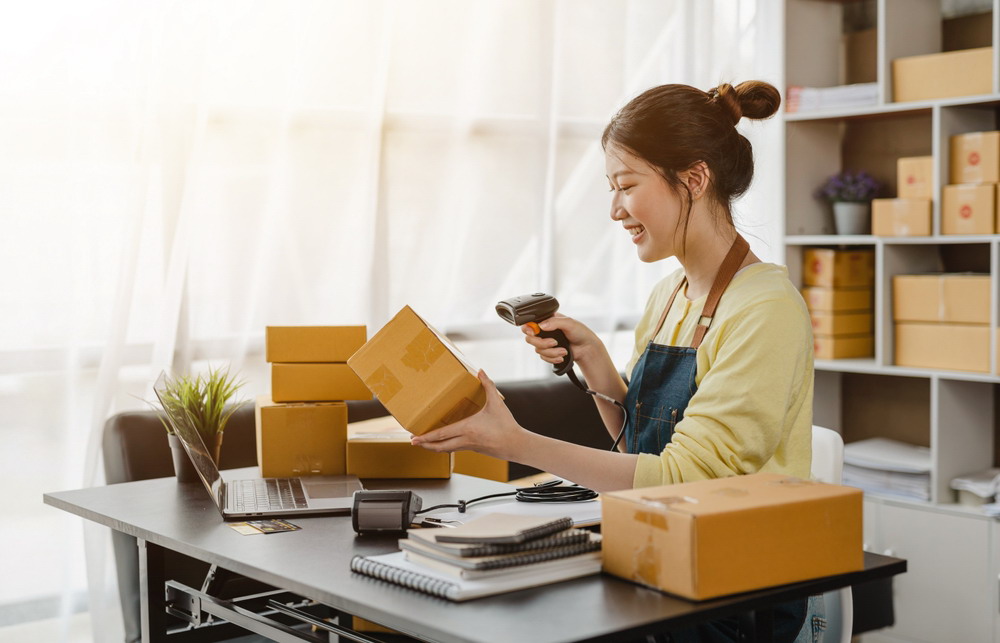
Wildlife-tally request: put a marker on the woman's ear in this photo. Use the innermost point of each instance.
(696, 178)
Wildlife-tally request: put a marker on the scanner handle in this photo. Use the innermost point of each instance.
(561, 341)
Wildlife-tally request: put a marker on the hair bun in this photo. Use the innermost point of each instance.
(726, 97)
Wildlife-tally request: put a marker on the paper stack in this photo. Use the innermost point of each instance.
(888, 467)
(978, 489)
(811, 99)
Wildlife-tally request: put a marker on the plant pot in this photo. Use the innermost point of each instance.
(852, 218)
(183, 468)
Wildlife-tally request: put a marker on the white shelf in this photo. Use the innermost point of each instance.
(891, 109)
(868, 240)
(870, 366)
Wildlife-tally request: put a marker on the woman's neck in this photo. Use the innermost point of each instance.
(705, 250)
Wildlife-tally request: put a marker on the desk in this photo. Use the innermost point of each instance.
(315, 563)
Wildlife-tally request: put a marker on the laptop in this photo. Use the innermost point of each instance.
(255, 497)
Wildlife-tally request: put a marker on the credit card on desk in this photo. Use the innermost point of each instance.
(253, 527)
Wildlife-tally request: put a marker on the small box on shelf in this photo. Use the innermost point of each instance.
(837, 300)
(838, 268)
(975, 158)
(901, 217)
(956, 347)
(839, 324)
(968, 209)
(962, 298)
(966, 72)
(833, 347)
(915, 177)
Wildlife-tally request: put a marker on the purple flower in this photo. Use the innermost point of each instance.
(857, 187)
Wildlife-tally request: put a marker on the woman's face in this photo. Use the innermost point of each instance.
(646, 205)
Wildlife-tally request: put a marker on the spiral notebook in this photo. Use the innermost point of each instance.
(394, 568)
(499, 528)
(469, 550)
(592, 542)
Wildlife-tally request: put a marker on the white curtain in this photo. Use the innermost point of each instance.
(175, 176)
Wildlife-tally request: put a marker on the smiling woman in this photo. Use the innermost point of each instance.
(176, 176)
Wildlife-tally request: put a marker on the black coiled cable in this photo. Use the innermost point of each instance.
(548, 491)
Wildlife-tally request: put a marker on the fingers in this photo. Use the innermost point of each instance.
(444, 446)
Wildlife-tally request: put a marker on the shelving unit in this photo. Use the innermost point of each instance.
(950, 592)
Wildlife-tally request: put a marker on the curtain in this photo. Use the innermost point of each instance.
(175, 176)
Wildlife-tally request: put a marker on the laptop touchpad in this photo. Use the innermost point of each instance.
(330, 489)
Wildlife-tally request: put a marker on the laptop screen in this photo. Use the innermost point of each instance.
(193, 444)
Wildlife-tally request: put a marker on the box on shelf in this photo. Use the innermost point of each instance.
(968, 72)
(838, 268)
(962, 298)
(955, 347)
(301, 439)
(679, 538)
(975, 158)
(968, 209)
(915, 177)
(296, 344)
(380, 448)
(843, 347)
(837, 300)
(838, 324)
(316, 383)
(418, 374)
(901, 217)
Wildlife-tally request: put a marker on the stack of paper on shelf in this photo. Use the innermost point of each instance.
(977, 489)
(810, 99)
(889, 467)
(489, 555)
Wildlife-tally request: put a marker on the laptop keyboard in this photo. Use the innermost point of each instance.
(269, 494)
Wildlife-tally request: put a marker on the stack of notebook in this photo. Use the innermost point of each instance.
(489, 555)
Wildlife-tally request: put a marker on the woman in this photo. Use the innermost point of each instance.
(722, 374)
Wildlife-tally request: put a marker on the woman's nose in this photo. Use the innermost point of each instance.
(617, 211)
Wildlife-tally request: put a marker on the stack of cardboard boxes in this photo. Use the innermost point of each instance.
(968, 204)
(942, 321)
(302, 425)
(908, 215)
(838, 292)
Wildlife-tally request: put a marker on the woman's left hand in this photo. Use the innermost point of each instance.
(492, 431)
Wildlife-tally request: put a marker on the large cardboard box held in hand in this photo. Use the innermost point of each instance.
(975, 158)
(837, 300)
(418, 375)
(915, 177)
(962, 298)
(297, 344)
(711, 538)
(838, 268)
(968, 72)
(968, 209)
(316, 383)
(955, 347)
(901, 217)
(380, 448)
(844, 347)
(301, 439)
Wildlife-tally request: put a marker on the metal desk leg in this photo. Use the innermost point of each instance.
(152, 596)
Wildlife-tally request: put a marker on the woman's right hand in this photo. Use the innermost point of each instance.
(584, 342)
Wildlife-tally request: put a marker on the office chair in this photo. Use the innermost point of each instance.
(828, 466)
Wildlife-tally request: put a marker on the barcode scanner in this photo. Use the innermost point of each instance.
(531, 309)
(536, 307)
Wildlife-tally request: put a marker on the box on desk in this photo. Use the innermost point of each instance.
(838, 268)
(301, 439)
(316, 383)
(915, 177)
(297, 344)
(968, 209)
(418, 374)
(711, 538)
(379, 448)
(945, 297)
(901, 217)
(975, 158)
(954, 347)
(837, 300)
(968, 72)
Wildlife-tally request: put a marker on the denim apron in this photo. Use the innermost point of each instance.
(662, 384)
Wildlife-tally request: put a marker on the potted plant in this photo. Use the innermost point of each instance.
(202, 403)
(851, 194)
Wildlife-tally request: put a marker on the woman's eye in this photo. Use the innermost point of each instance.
(626, 188)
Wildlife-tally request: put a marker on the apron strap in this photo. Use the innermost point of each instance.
(670, 302)
(730, 266)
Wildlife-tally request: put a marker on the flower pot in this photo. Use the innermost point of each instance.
(183, 468)
(852, 218)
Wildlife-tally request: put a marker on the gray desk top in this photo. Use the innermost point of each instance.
(315, 562)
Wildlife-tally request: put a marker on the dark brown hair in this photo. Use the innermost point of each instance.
(673, 127)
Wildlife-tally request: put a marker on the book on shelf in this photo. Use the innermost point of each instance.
(500, 561)
(889, 467)
(499, 528)
(463, 550)
(810, 99)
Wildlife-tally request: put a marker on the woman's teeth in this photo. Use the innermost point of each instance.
(636, 230)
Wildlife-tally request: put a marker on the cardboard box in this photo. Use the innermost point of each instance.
(837, 300)
(847, 346)
(968, 72)
(962, 298)
(297, 344)
(968, 209)
(475, 464)
(380, 448)
(838, 268)
(955, 347)
(841, 323)
(901, 217)
(712, 538)
(915, 177)
(418, 375)
(860, 56)
(316, 383)
(975, 158)
(301, 439)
